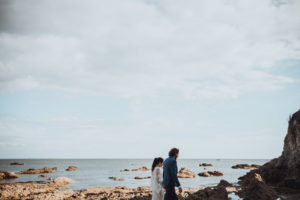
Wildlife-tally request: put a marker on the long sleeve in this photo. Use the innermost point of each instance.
(158, 178)
(174, 171)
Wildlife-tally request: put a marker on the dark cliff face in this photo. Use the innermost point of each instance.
(291, 152)
(280, 175)
(285, 170)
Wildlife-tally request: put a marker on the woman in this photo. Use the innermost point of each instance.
(156, 179)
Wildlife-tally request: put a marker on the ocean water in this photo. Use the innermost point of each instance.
(95, 172)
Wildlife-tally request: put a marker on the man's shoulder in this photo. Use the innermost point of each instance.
(170, 160)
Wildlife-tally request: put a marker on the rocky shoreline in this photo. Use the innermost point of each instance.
(57, 190)
(277, 179)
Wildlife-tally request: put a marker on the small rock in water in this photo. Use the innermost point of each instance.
(140, 177)
(16, 163)
(205, 165)
(39, 171)
(116, 178)
(210, 173)
(245, 166)
(72, 168)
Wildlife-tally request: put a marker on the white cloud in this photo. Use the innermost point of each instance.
(192, 49)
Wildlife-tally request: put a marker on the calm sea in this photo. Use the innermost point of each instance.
(95, 172)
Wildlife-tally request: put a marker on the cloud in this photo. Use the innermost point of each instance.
(190, 49)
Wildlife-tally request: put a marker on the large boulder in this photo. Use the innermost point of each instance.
(63, 181)
(7, 175)
(186, 173)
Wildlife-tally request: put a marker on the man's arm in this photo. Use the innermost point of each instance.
(174, 173)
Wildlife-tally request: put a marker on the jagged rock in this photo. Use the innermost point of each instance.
(141, 177)
(209, 193)
(16, 163)
(7, 175)
(210, 173)
(39, 171)
(254, 187)
(43, 175)
(72, 168)
(186, 173)
(205, 165)
(245, 166)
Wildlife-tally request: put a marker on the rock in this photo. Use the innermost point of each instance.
(63, 181)
(141, 177)
(280, 176)
(7, 175)
(205, 174)
(245, 166)
(33, 190)
(72, 168)
(43, 175)
(209, 193)
(205, 165)
(116, 178)
(144, 168)
(39, 171)
(224, 183)
(186, 173)
(16, 163)
(210, 173)
(256, 188)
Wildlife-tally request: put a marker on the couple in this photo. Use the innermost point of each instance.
(168, 179)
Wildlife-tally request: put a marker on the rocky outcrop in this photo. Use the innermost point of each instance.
(281, 175)
(16, 163)
(210, 173)
(38, 171)
(72, 168)
(116, 178)
(142, 177)
(186, 173)
(36, 190)
(205, 165)
(219, 192)
(245, 166)
(7, 175)
(144, 168)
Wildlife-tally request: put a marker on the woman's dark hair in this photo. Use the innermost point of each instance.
(156, 161)
(173, 152)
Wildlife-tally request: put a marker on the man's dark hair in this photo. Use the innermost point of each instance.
(173, 152)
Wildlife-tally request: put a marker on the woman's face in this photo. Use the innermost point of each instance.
(160, 164)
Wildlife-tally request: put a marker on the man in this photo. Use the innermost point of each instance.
(170, 179)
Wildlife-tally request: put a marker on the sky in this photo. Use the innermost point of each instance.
(132, 79)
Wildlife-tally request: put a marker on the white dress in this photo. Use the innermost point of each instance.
(156, 184)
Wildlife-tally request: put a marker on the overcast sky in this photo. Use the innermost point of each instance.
(131, 79)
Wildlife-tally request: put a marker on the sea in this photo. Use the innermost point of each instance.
(95, 172)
